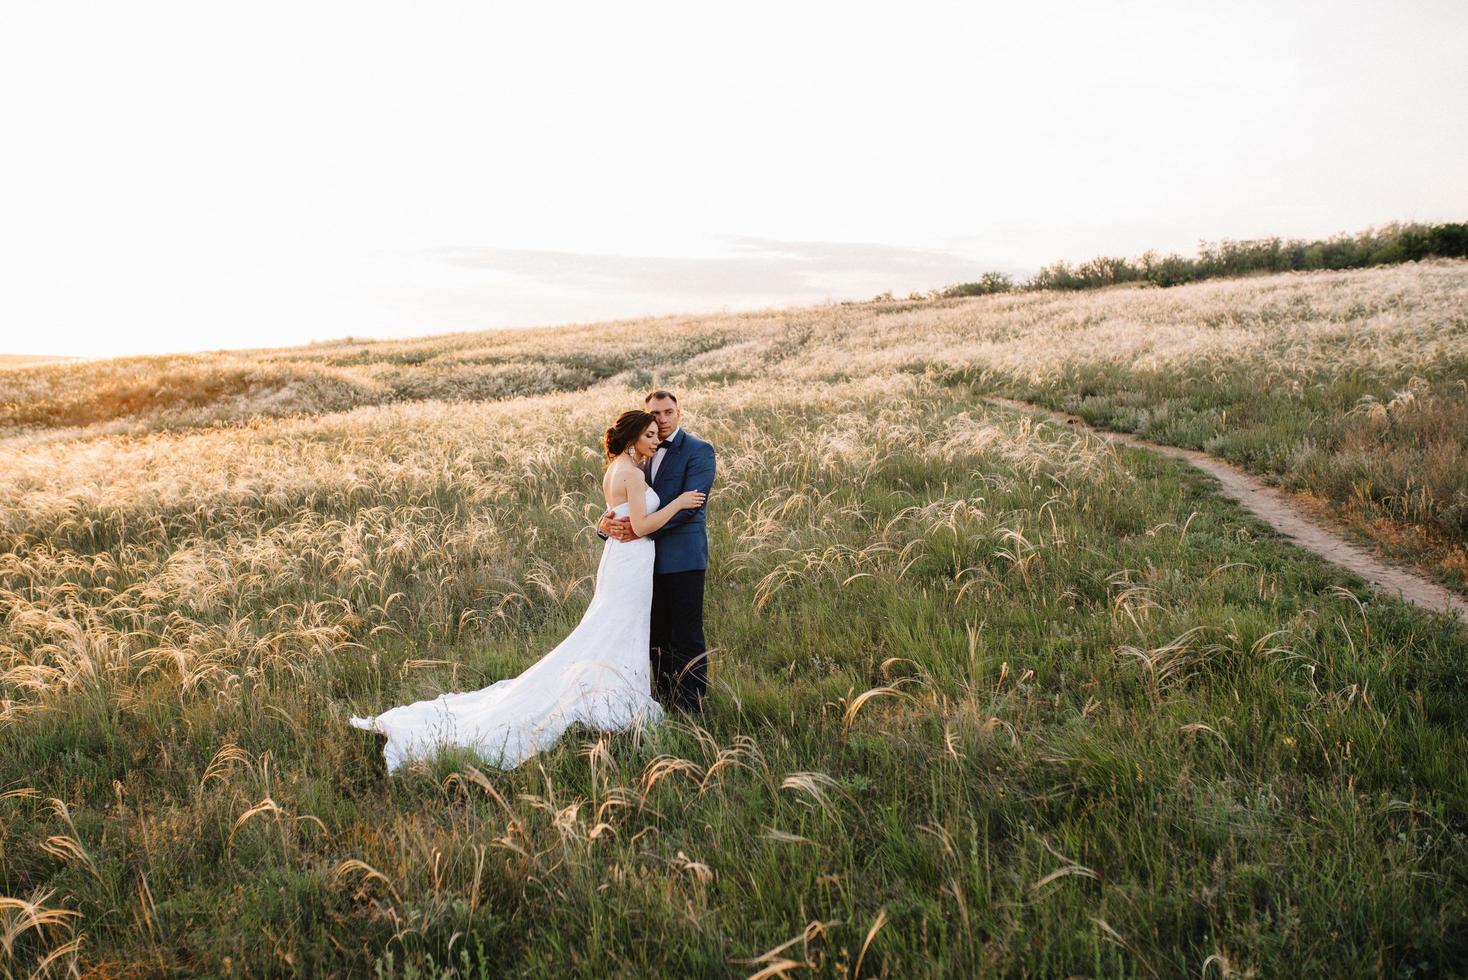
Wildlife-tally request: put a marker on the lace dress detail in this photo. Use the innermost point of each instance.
(599, 675)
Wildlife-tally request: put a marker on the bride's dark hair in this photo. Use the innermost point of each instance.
(624, 432)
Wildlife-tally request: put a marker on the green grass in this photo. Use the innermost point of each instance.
(1120, 728)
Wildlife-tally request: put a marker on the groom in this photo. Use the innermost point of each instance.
(683, 462)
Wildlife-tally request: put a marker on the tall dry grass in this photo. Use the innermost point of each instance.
(989, 696)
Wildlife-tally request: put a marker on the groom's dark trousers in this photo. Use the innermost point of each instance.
(679, 667)
(679, 661)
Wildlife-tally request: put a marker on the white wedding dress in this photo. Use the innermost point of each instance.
(599, 675)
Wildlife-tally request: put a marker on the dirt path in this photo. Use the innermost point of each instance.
(1275, 508)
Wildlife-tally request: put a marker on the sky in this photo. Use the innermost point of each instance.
(203, 175)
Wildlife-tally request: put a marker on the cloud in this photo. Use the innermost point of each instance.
(749, 269)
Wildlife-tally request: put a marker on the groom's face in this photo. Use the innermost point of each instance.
(667, 412)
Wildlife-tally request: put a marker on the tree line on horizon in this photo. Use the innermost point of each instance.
(1387, 245)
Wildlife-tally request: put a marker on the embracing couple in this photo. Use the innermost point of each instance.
(640, 644)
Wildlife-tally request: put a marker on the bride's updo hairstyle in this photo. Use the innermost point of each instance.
(624, 432)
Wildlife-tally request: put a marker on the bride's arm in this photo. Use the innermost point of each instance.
(644, 523)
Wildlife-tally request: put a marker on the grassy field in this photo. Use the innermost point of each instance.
(989, 695)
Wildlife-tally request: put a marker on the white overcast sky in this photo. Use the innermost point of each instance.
(198, 175)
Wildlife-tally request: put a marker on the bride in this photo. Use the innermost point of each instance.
(599, 675)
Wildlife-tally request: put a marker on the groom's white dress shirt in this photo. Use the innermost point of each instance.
(657, 457)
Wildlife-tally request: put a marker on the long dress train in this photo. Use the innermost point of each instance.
(599, 675)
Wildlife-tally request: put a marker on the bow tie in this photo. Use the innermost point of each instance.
(665, 443)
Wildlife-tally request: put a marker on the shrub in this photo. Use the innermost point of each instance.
(1386, 245)
(988, 283)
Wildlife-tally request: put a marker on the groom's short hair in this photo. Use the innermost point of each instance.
(660, 393)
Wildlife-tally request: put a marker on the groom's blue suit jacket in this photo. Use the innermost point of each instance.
(683, 542)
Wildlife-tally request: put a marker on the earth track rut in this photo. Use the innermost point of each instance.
(1275, 508)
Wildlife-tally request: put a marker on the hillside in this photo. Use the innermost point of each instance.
(29, 360)
(1351, 387)
(989, 696)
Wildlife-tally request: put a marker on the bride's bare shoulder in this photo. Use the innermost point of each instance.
(623, 470)
(621, 479)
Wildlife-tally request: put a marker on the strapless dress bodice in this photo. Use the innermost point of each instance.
(622, 509)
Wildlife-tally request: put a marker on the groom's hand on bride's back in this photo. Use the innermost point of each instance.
(612, 526)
